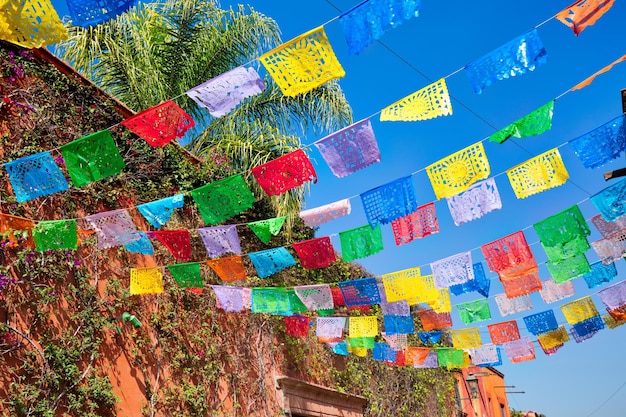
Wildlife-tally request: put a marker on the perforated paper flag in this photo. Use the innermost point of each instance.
(297, 326)
(430, 337)
(609, 229)
(315, 253)
(317, 216)
(350, 149)
(330, 329)
(583, 13)
(538, 174)
(419, 224)
(480, 283)
(360, 291)
(403, 285)
(223, 199)
(450, 357)
(507, 253)
(416, 355)
(389, 202)
(516, 57)
(590, 79)
(270, 261)
(455, 269)
(431, 320)
(229, 299)
(486, 355)
(542, 322)
(569, 268)
(295, 304)
(553, 292)
(396, 341)
(431, 361)
(383, 352)
(504, 332)
(480, 199)
(315, 297)
(265, 229)
(16, 231)
(363, 326)
(141, 245)
(611, 202)
(553, 338)
(31, 23)
(55, 234)
(270, 300)
(474, 311)
(521, 350)
(360, 242)
(609, 250)
(579, 310)
(35, 176)
(614, 296)
(187, 275)
(302, 64)
(442, 303)
(550, 351)
(564, 235)
(87, 13)
(220, 240)
(429, 102)
(146, 280)
(612, 322)
(113, 228)
(359, 345)
(223, 93)
(178, 242)
(229, 269)
(534, 123)
(589, 327)
(398, 324)
(368, 21)
(160, 124)
(509, 306)
(466, 338)
(284, 173)
(526, 283)
(601, 145)
(157, 213)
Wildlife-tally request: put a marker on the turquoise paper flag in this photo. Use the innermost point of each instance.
(157, 213)
(270, 261)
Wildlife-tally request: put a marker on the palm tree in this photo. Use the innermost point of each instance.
(158, 51)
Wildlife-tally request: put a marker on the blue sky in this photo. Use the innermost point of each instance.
(579, 378)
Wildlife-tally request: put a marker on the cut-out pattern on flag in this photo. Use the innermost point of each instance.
(146, 280)
(319, 215)
(504, 332)
(609, 229)
(396, 341)
(55, 234)
(87, 13)
(431, 361)
(220, 240)
(508, 254)
(609, 250)
(223, 93)
(302, 64)
(315, 253)
(516, 57)
(474, 311)
(584, 83)
(113, 228)
(534, 123)
(229, 269)
(223, 199)
(360, 291)
(467, 338)
(415, 355)
(315, 297)
(542, 322)
(296, 305)
(509, 306)
(270, 300)
(550, 351)
(601, 145)
(613, 322)
(553, 291)
(455, 269)
(569, 268)
(389, 202)
(35, 176)
(339, 348)
(587, 328)
(284, 173)
(161, 124)
(579, 310)
(350, 149)
(187, 275)
(360, 242)
(92, 158)
(614, 297)
(157, 213)
(398, 324)
(394, 308)
(404, 285)
(419, 224)
(359, 345)
(270, 261)
(229, 299)
(583, 13)
(457, 172)
(611, 202)
(486, 355)
(450, 358)
(563, 235)
(538, 174)
(369, 20)
(16, 231)
(430, 337)
(521, 350)
(480, 283)
(429, 102)
(431, 320)
(31, 23)
(265, 229)
(526, 283)
(442, 303)
(363, 326)
(141, 245)
(553, 338)
(480, 199)
(297, 326)
(330, 329)
(177, 242)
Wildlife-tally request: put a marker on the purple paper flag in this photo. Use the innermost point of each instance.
(614, 296)
(113, 228)
(480, 199)
(317, 216)
(453, 270)
(230, 299)
(220, 240)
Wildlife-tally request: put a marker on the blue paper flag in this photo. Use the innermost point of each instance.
(429, 337)
(35, 176)
(340, 348)
(587, 328)
(611, 202)
(383, 352)
(389, 202)
(369, 20)
(270, 261)
(541, 322)
(600, 273)
(516, 57)
(157, 213)
(496, 363)
(601, 145)
(142, 245)
(480, 283)
(87, 13)
(398, 325)
(358, 292)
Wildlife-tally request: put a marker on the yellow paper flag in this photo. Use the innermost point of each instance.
(442, 304)
(553, 338)
(402, 285)
(579, 310)
(30, 23)
(363, 326)
(146, 280)
(468, 338)
(429, 102)
(538, 174)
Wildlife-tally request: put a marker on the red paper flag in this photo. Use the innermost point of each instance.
(284, 173)
(315, 253)
(297, 326)
(178, 242)
(160, 124)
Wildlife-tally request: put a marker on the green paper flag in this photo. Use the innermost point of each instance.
(264, 229)
(295, 304)
(270, 300)
(360, 242)
(92, 157)
(187, 275)
(564, 234)
(473, 311)
(361, 342)
(532, 124)
(221, 200)
(569, 268)
(450, 357)
(55, 234)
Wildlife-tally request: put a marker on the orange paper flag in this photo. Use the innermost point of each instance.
(584, 13)
(589, 79)
(229, 269)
